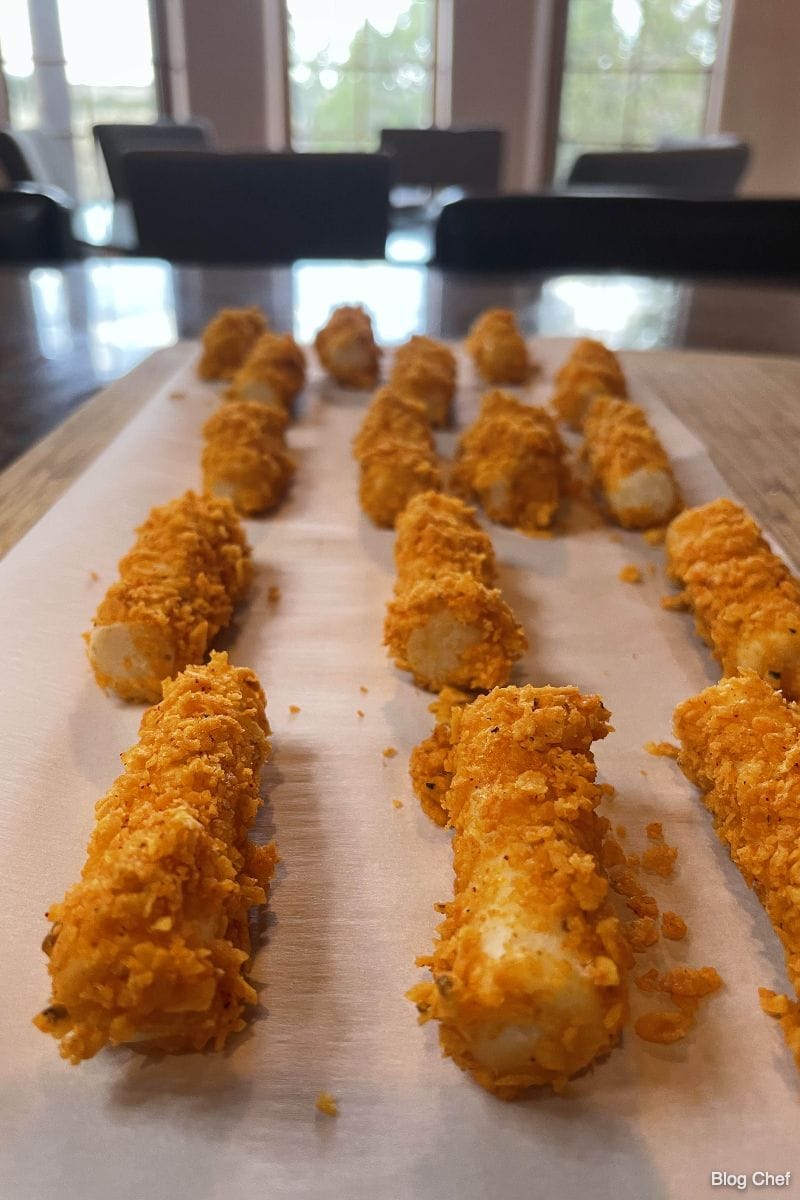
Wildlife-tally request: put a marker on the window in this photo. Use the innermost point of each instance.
(357, 66)
(635, 71)
(109, 67)
(107, 75)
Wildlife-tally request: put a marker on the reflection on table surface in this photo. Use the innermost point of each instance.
(68, 331)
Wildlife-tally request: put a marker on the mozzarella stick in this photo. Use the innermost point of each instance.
(273, 373)
(528, 972)
(741, 747)
(150, 946)
(591, 370)
(629, 463)
(245, 457)
(425, 370)
(178, 586)
(396, 456)
(511, 458)
(498, 348)
(228, 339)
(745, 600)
(346, 348)
(447, 624)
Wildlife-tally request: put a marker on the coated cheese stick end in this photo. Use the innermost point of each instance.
(645, 498)
(453, 630)
(132, 658)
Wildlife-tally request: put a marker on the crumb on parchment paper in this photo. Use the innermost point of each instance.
(660, 860)
(655, 831)
(673, 927)
(326, 1103)
(662, 749)
(389, 752)
(363, 689)
(630, 574)
(656, 536)
(686, 986)
(177, 395)
(397, 803)
(677, 603)
(295, 708)
(273, 594)
(360, 712)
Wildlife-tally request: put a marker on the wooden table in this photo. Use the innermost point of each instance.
(67, 332)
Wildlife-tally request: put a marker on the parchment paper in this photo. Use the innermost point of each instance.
(352, 903)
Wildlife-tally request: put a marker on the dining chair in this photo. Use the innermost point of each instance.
(653, 234)
(115, 141)
(259, 208)
(680, 169)
(470, 159)
(35, 225)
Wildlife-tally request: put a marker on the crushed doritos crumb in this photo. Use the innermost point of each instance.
(655, 537)
(643, 906)
(641, 932)
(655, 831)
(690, 981)
(94, 576)
(294, 708)
(326, 1103)
(177, 395)
(612, 854)
(389, 752)
(677, 603)
(625, 883)
(359, 712)
(773, 1003)
(622, 831)
(633, 860)
(673, 926)
(662, 749)
(663, 1028)
(397, 803)
(630, 574)
(647, 982)
(363, 689)
(273, 594)
(660, 860)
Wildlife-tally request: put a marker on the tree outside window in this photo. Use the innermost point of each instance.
(357, 67)
(635, 72)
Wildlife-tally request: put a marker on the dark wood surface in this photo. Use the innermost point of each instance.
(67, 332)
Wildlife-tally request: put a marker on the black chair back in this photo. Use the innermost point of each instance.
(115, 141)
(467, 158)
(35, 225)
(654, 234)
(710, 170)
(259, 208)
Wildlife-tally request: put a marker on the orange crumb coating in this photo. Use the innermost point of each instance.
(511, 458)
(151, 945)
(630, 573)
(741, 747)
(745, 600)
(347, 350)
(326, 1104)
(498, 348)
(629, 463)
(591, 370)
(396, 456)
(177, 588)
(228, 339)
(430, 763)
(273, 373)
(445, 623)
(425, 370)
(245, 456)
(528, 971)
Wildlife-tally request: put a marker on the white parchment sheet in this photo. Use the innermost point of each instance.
(352, 902)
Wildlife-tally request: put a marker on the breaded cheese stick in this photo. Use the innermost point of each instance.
(273, 373)
(347, 350)
(425, 370)
(528, 972)
(511, 458)
(150, 946)
(591, 370)
(429, 764)
(741, 747)
(498, 348)
(629, 463)
(446, 623)
(178, 585)
(228, 339)
(396, 455)
(745, 600)
(245, 457)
